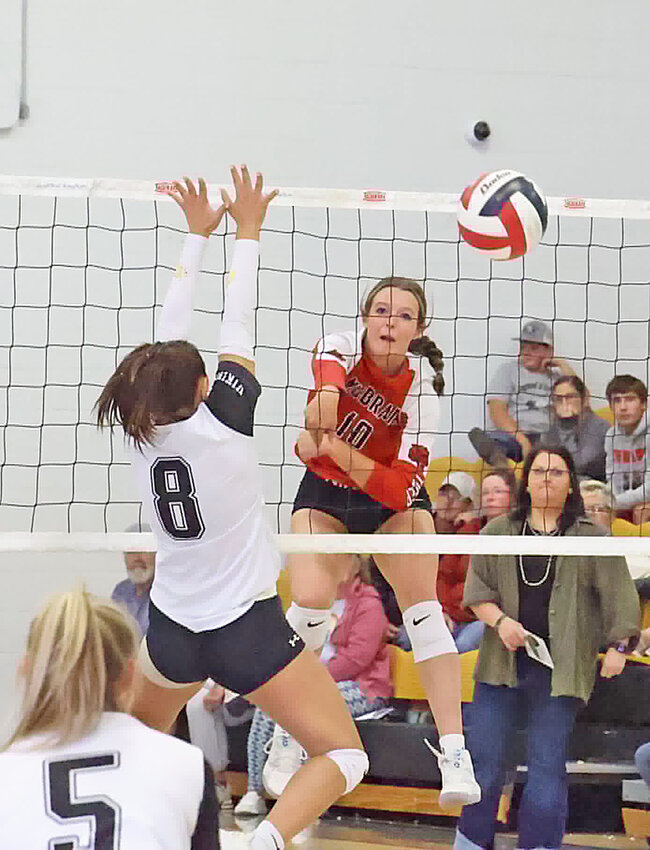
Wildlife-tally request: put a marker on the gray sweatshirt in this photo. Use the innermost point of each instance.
(628, 465)
(584, 439)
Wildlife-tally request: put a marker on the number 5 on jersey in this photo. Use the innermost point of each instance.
(175, 499)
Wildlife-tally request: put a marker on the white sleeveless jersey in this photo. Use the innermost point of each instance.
(201, 491)
(122, 787)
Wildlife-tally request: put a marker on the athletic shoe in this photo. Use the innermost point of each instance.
(459, 787)
(487, 448)
(251, 803)
(285, 755)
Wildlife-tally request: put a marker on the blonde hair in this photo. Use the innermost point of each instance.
(77, 649)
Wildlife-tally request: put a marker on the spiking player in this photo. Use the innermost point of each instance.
(370, 423)
(214, 611)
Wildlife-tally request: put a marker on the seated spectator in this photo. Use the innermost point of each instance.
(498, 494)
(356, 656)
(133, 591)
(575, 426)
(598, 500)
(626, 444)
(519, 398)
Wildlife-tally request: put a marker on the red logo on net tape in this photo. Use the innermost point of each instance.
(164, 186)
(374, 196)
(574, 203)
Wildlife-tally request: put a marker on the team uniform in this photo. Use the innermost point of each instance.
(121, 787)
(391, 419)
(214, 598)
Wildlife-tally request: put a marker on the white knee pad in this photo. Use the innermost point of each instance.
(312, 624)
(353, 764)
(427, 630)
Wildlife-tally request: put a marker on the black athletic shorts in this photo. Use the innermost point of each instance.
(358, 512)
(241, 656)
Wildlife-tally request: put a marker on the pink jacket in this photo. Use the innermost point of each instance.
(360, 642)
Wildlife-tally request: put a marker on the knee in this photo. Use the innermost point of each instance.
(427, 631)
(353, 764)
(642, 761)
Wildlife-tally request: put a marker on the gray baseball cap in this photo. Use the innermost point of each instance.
(536, 331)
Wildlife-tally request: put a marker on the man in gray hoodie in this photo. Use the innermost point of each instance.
(627, 443)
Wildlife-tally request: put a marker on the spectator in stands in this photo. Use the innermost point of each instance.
(628, 470)
(450, 516)
(356, 655)
(498, 494)
(576, 426)
(598, 501)
(575, 604)
(519, 398)
(133, 591)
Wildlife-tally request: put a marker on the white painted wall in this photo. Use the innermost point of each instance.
(368, 95)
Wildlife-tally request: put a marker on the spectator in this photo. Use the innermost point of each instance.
(598, 500)
(356, 656)
(576, 426)
(519, 398)
(498, 494)
(133, 591)
(450, 516)
(575, 604)
(627, 443)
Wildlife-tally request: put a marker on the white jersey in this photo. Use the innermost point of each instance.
(201, 490)
(200, 482)
(122, 787)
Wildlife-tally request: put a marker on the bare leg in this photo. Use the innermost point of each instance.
(413, 578)
(304, 700)
(315, 577)
(156, 705)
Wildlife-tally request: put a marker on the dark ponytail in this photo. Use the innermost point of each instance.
(424, 346)
(154, 385)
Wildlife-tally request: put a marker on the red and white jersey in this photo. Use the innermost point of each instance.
(391, 419)
(122, 787)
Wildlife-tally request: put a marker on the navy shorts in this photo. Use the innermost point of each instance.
(358, 512)
(242, 655)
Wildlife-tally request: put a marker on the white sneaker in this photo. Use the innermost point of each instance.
(459, 787)
(251, 803)
(285, 755)
(224, 795)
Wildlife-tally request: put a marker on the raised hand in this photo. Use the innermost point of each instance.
(202, 219)
(249, 206)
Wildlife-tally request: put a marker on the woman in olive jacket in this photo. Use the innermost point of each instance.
(576, 604)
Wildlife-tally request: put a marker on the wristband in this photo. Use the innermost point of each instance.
(499, 620)
(620, 646)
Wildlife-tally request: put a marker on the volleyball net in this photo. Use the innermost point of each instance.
(84, 265)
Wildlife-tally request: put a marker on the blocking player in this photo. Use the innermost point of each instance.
(214, 611)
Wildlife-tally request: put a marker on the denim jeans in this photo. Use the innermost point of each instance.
(642, 761)
(548, 722)
(509, 446)
(467, 636)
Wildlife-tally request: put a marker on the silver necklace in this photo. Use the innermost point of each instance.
(548, 562)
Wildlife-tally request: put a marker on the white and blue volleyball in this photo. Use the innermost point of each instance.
(503, 214)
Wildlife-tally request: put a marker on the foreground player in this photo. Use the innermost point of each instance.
(370, 424)
(78, 771)
(214, 611)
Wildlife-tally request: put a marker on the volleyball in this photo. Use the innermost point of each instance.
(503, 214)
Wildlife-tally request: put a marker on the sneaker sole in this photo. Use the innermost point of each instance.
(451, 799)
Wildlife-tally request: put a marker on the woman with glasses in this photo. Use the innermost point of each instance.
(575, 426)
(575, 604)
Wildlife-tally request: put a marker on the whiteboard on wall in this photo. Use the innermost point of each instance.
(11, 36)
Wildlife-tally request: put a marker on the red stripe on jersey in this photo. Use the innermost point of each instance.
(328, 373)
(479, 240)
(514, 229)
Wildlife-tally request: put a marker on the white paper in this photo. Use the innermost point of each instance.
(537, 650)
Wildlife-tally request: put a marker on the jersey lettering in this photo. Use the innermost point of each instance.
(175, 499)
(355, 431)
(62, 803)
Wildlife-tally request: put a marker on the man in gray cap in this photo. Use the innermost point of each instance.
(519, 397)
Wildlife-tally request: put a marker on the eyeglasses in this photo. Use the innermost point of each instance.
(543, 472)
(567, 397)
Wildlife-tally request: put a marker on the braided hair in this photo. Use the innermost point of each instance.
(423, 346)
